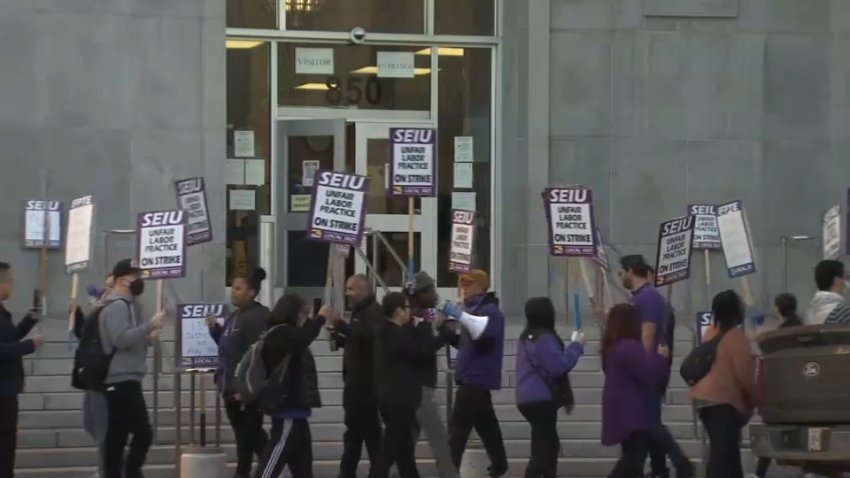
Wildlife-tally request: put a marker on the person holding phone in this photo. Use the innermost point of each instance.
(13, 347)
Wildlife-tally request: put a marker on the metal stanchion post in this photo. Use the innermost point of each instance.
(217, 419)
(178, 421)
(192, 407)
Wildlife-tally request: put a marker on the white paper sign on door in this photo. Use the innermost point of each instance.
(243, 144)
(396, 64)
(78, 240)
(314, 61)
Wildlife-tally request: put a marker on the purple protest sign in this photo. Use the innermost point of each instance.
(192, 197)
(601, 256)
(42, 224)
(195, 347)
(569, 214)
(463, 236)
(338, 208)
(673, 258)
(161, 245)
(413, 171)
(706, 232)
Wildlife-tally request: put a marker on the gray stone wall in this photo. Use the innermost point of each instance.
(115, 98)
(658, 103)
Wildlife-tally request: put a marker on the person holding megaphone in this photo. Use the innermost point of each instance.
(478, 370)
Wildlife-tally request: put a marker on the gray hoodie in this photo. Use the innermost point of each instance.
(122, 331)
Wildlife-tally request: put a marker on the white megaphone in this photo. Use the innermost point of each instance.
(474, 324)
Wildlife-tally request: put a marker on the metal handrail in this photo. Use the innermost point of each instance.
(393, 253)
(371, 268)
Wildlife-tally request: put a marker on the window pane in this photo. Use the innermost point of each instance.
(248, 146)
(307, 154)
(380, 16)
(465, 112)
(349, 76)
(464, 17)
(388, 269)
(307, 261)
(251, 14)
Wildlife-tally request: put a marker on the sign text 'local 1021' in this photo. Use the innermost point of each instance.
(161, 247)
(337, 211)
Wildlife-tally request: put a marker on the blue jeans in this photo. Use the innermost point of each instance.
(95, 422)
(660, 442)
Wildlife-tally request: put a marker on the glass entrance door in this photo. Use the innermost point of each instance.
(303, 146)
(389, 248)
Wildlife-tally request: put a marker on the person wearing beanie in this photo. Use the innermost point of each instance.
(240, 330)
(422, 296)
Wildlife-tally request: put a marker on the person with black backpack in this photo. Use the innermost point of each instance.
(286, 345)
(124, 339)
(542, 360)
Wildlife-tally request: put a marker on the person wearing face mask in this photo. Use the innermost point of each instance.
(829, 305)
(241, 329)
(126, 336)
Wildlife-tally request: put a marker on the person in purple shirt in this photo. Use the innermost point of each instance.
(654, 313)
(542, 357)
(478, 371)
(629, 369)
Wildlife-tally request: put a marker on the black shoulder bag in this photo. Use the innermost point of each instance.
(562, 390)
(699, 362)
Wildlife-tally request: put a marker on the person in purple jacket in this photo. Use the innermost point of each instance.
(478, 371)
(629, 369)
(541, 357)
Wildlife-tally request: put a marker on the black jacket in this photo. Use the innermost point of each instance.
(12, 351)
(244, 326)
(358, 338)
(434, 343)
(302, 381)
(400, 354)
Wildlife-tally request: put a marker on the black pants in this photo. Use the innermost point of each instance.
(723, 424)
(763, 466)
(660, 445)
(247, 424)
(128, 415)
(8, 435)
(474, 409)
(290, 444)
(545, 443)
(398, 445)
(363, 426)
(632, 457)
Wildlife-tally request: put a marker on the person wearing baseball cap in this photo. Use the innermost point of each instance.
(423, 298)
(478, 371)
(127, 337)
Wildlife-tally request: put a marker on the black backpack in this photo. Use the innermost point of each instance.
(91, 363)
(699, 362)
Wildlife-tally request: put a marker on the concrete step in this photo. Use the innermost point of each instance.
(330, 398)
(327, 381)
(40, 419)
(75, 437)
(518, 449)
(567, 467)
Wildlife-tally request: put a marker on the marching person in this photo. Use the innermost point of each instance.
(127, 337)
(829, 305)
(725, 397)
(629, 370)
(241, 329)
(478, 371)
(363, 425)
(540, 359)
(655, 314)
(13, 347)
(399, 354)
(423, 298)
(291, 331)
(95, 416)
